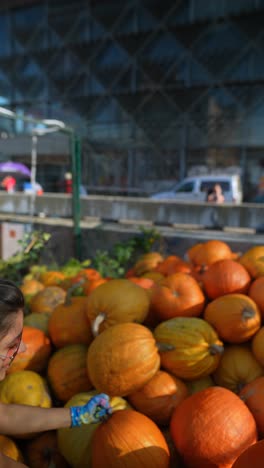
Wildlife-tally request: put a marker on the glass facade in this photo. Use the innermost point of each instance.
(157, 89)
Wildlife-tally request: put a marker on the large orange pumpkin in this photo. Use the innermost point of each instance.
(129, 439)
(252, 456)
(253, 261)
(212, 427)
(37, 353)
(67, 372)
(122, 359)
(47, 299)
(42, 451)
(158, 397)
(116, 301)
(253, 395)
(178, 295)
(256, 293)
(225, 277)
(238, 367)
(189, 347)
(69, 323)
(235, 317)
(209, 252)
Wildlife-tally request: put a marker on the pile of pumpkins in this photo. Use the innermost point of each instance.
(178, 345)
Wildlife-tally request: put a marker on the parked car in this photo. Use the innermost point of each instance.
(195, 188)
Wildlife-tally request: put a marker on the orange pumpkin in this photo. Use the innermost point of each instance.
(37, 353)
(172, 264)
(147, 262)
(145, 283)
(93, 284)
(225, 277)
(158, 397)
(30, 288)
(238, 367)
(129, 439)
(257, 346)
(212, 427)
(122, 359)
(52, 278)
(209, 252)
(235, 317)
(253, 261)
(42, 451)
(46, 300)
(253, 395)
(252, 456)
(178, 295)
(116, 301)
(256, 293)
(69, 323)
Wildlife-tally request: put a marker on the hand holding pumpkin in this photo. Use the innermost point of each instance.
(97, 409)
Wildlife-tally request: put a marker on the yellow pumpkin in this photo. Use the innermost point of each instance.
(25, 388)
(116, 301)
(253, 261)
(147, 262)
(237, 368)
(189, 347)
(75, 443)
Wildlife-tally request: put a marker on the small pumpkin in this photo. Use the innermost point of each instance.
(252, 456)
(9, 448)
(37, 352)
(237, 368)
(235, 317)
(39, 321)
(159, 396)
(177, 295)
(225, 277)
(116, 301)
(257, 346)
(52, 278)
(189, 347)
(209, 252)
(256, 293)
(253, 261)
(129, 438)
(253, 395)
(122, 359)
(42, 451)
(46, 300)
(25, 388)
(212, 427)
(172, 264)
(67, 372)
(147, 262)
(30, 288)
(197, 385)
(75, 443)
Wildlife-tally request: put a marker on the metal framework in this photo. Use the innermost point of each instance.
(153, 87)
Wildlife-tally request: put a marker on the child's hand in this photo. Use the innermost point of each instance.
(97, 409)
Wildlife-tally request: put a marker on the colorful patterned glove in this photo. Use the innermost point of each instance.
(97, 409)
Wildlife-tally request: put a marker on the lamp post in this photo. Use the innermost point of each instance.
(52, 125)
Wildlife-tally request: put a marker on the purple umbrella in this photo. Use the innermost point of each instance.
(14, 168)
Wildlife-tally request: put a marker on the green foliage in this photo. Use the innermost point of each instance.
(73, 266)
(19, 264)
(114, 264)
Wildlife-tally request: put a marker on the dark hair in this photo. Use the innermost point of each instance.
(11, 300)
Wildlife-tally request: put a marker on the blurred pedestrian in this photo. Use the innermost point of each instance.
(68, 182)
(9, 183)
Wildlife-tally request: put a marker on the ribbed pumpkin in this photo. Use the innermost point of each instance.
(42, 452)
(69, 323)
(225, 277)
(122, 359)
(253, 395)
(253, 261)
(25, 388)
(129, 439)
(237, 368)
(209, 252)
(178, 295)
(189, 347)
(257, 346)
(9, 448)
(39, 321)
(75, 443)
(67, 372)
(158, 397)
(256, 293)
(235, 317)
(46, 300)
(116, 301)
(147, 262)
(252, 456)
(37, 353)
(211, 428)
(172, 264)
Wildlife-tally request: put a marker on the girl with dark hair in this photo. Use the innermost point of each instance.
(18, 419)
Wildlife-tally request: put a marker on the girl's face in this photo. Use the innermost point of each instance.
(11, 344)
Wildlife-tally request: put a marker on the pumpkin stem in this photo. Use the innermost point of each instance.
(216, 349)
(97, 322)
(248, 313)
(163, 347)
(71, 291)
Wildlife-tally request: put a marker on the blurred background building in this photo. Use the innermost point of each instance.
(157, 89)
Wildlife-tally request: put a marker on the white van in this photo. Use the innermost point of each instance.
(195, 188)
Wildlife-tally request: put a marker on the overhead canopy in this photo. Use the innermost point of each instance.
(10, 167)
